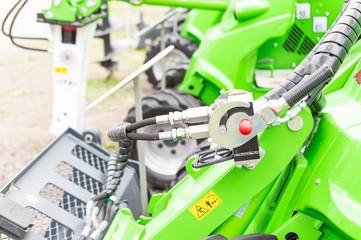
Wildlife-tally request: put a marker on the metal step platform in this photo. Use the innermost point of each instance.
(50, 194)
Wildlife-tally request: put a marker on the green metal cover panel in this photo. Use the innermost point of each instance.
(320, 197)
(232, 50)
(227, 57)
(198, 22)
(289, 50)
(233, 186)
(335, 162)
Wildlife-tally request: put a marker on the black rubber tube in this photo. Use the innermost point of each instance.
(143, 136)
(12, 38)
(303, 68)
(331, 50)
(113, 178)
(310, 83)
(108, 211)
(100, 196)
(16, 37)
(140, 124)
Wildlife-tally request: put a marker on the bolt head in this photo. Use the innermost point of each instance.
(295, 124)
(222, 129)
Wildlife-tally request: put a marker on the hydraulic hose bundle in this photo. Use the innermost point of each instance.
(115, 170)
(330, 51)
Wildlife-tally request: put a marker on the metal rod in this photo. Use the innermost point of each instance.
(162, 46)
(160, 21)
(140, 147)
(131, 77)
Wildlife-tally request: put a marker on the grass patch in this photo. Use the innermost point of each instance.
(96, 87)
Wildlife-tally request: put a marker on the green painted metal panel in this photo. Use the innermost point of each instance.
(234, 187)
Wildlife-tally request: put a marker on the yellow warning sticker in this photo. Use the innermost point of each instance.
(205, 205)
(61, 70)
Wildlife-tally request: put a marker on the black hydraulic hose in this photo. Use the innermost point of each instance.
(302, 69)
(16, 37)
(11, 28)
(6, 18)
(100, 204)
(143, 136)
(310, 83)
(111, 168)
(140, 124)
(100, 196)
(339, 40)
(115, 170)
(120, 132)
(108, 211)
(336, 45)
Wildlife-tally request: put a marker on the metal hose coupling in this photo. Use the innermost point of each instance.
(119, 133)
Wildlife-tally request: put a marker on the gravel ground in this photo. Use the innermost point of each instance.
(26, 92)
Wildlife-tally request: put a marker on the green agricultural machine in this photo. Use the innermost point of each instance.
(244, 44)
(253, 47)
(285, 165)
(191, 29)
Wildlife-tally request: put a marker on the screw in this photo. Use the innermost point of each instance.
(88, 138)
(222, 129)
(296, 124)
(318, 181)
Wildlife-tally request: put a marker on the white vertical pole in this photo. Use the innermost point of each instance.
(140, 147)
(162, 47)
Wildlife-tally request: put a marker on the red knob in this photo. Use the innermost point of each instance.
(245, 126)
